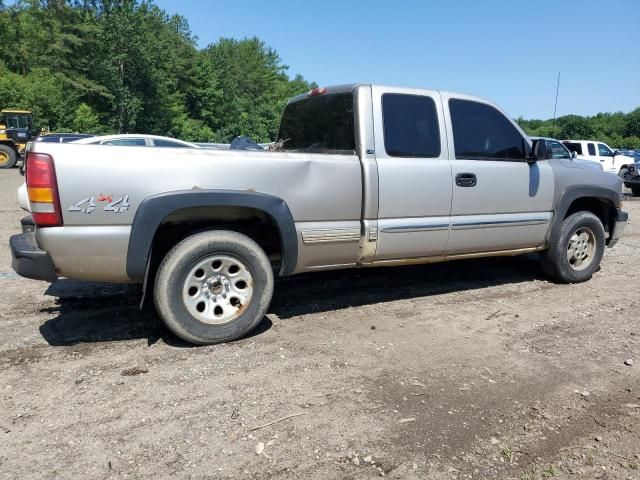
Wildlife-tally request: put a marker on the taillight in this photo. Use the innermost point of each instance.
(43, 190)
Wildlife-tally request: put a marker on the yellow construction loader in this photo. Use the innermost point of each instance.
(16, 129)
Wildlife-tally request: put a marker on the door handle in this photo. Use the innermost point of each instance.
(466, 180)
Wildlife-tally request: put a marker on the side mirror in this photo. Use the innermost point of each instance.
(574, 154)
(616, 152)
(539, 151)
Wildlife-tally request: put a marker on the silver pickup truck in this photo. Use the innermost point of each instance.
(362, 176)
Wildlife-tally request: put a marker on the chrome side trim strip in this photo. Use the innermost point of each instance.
(338, 235)
(467, 225)
(416, 228)
(468, 222)
(413, 224)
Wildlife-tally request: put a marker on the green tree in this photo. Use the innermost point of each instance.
(631, 126)
(86, 120)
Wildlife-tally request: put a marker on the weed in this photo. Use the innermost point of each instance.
(507, 452)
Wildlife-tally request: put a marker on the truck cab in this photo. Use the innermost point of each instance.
(611, 160)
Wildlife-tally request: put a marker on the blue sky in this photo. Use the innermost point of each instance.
(508, 51)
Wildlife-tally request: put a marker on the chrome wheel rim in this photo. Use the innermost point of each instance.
(217, 289)
(581, 248)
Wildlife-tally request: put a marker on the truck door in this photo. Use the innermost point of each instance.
(500, 202)
(414, 173)
(606, 157)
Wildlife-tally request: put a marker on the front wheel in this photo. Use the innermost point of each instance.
(576, 250)
(635, 189)
(213, 287)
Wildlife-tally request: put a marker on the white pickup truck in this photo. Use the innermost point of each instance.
(612, 161)
(364, 176)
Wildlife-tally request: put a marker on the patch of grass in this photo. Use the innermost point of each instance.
(507, 452)
(548, 472)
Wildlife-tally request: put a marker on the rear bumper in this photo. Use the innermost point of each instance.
(618, 227)
(28, 260)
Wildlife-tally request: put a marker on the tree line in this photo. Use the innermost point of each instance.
(618, 130)
(126, 66)
(106, 66)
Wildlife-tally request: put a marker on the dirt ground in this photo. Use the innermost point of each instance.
(475, 369)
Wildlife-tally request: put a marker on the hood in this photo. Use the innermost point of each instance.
(583, 164)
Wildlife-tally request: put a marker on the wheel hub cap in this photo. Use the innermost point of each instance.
(214, 286)
(217, 289)
(581, 248)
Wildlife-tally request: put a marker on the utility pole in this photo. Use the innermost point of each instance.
(555, 106)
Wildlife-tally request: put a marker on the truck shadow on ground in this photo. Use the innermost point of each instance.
(87, 312)
(335, 290)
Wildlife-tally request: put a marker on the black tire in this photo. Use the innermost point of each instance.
(8, 157)
(623, 172)
(555, 261)
(635, 189)
(174, 272)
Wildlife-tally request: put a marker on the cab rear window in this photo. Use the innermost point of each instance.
(574, 147)
(324, 123)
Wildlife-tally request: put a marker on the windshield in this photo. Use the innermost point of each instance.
(320, 123)
(18, 120)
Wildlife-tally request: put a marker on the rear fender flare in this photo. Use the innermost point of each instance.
(153, 210)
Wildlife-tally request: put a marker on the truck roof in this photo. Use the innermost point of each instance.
(348, 87)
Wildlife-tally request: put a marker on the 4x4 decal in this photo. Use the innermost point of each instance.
(88, 205)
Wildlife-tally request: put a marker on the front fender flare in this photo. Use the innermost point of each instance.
(153, 210)
(576, 192)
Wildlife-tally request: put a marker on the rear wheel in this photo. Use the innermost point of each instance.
(8, 157)
(213, 287)
(635, 189)
(575, 253)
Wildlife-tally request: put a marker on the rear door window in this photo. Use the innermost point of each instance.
(410, 124)
(591, 148)
(480, 132)
(322, 123)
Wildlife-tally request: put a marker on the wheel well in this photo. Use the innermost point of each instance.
(601, 208)
(254, 223)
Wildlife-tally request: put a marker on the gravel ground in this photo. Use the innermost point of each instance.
(474, 369)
